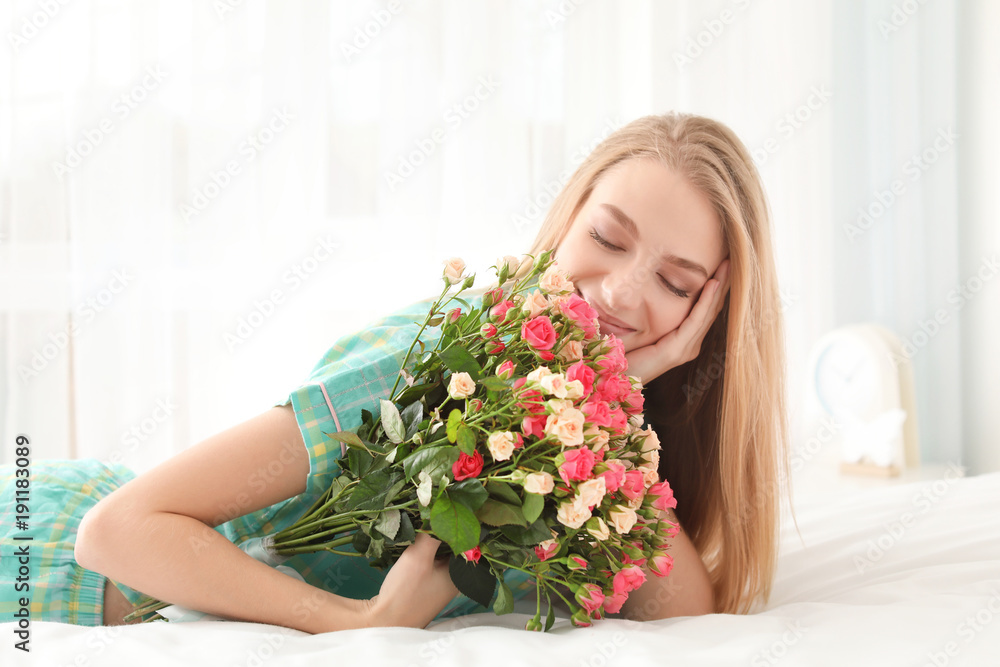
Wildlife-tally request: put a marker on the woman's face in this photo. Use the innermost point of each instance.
(641, 249)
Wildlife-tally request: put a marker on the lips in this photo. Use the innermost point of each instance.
(605, 319)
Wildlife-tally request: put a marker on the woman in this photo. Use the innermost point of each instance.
(647, 227)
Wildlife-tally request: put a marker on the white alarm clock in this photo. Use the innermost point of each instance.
(864, 382)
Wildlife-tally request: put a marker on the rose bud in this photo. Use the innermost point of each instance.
(492, 297)
(577, 563)
(472, 555)
(590, 597)
(534, 624)
(581, 619)
(488, 330)
(505, 371)
(454, 314)
(496, 347)
(476, 405)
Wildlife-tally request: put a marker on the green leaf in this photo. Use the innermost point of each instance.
(455, 524)
(495, 513)
(466, 440)
(454, 421)
(505, 601)
(458, 359)
(503, 492)
(375, 548)
(359, 461)
(474, 581)
(535, 533)
(349, 438)
(469, 492)
(360, 542)
(494, 383)
(388, 523)
(414, 393)
(406, 534)
(412, 414)
(392, 423)
(532, 507)
(372, 491)
(436, 461)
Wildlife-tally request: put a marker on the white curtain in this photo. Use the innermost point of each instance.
(199, 197)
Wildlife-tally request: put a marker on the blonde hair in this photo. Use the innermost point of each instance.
(721, 417)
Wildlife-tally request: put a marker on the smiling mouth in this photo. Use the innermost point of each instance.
(608, 323)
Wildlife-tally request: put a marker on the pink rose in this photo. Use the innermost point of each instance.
(493, 296)
(614, 360)
(547, 549)
(532, 401)
(577, 563)
(613, 387)
(454, 314)
(614, 476)
(619, 421)
(578, 465)
(661, 564)
(582, 372)
(495, 347)
(467, 466)
(613, 603)
(534, 426)
(539, 333)
(598, 412)
(634, 485)
(635, 401)
(472, 554)
(590, 597)
(664, 496)
(505, 371)
(488, 330)
(581, 312)
(628, 579)
(499, 311)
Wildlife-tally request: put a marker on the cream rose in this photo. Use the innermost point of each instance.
(651, 441)
(566, 427)
(592, 491)
(573, 514)
(554, 385)
(454, 270)
(539, 482)
(555, 281)
(622, 518)
(537, 374)
(574, 389)
(501, 445)
(461, 385)
(650, 460)
(650, 477)
(535, 303)
(572, 350)
(601, 532)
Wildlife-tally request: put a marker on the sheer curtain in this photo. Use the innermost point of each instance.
(199, 197)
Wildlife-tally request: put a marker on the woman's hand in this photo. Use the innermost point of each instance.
(683, 344)
(416, 588)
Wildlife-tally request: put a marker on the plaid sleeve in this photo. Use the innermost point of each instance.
(357, 371)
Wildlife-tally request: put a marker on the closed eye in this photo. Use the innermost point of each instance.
(601, 241)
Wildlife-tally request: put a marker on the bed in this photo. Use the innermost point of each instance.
(900, 575)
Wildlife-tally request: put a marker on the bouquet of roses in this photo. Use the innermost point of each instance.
(516, 441)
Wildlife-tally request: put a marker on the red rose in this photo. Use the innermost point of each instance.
(467, 466)
(539, 333)
(474, 553)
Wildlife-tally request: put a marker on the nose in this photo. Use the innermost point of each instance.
(623, 286)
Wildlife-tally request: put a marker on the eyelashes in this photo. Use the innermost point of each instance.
(601, 241)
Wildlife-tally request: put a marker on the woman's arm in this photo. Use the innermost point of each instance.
(155, 533)
(686, 591)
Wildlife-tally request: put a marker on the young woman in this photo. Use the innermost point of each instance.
(650, 228)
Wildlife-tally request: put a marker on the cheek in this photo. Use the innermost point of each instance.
(666, 318)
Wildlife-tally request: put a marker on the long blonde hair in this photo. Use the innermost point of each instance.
(721, 417)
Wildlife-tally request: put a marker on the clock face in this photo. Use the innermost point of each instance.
(847, 380)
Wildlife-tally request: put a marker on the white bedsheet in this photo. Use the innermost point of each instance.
(901, 575)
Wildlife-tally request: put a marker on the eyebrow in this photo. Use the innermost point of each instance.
(633, 231)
